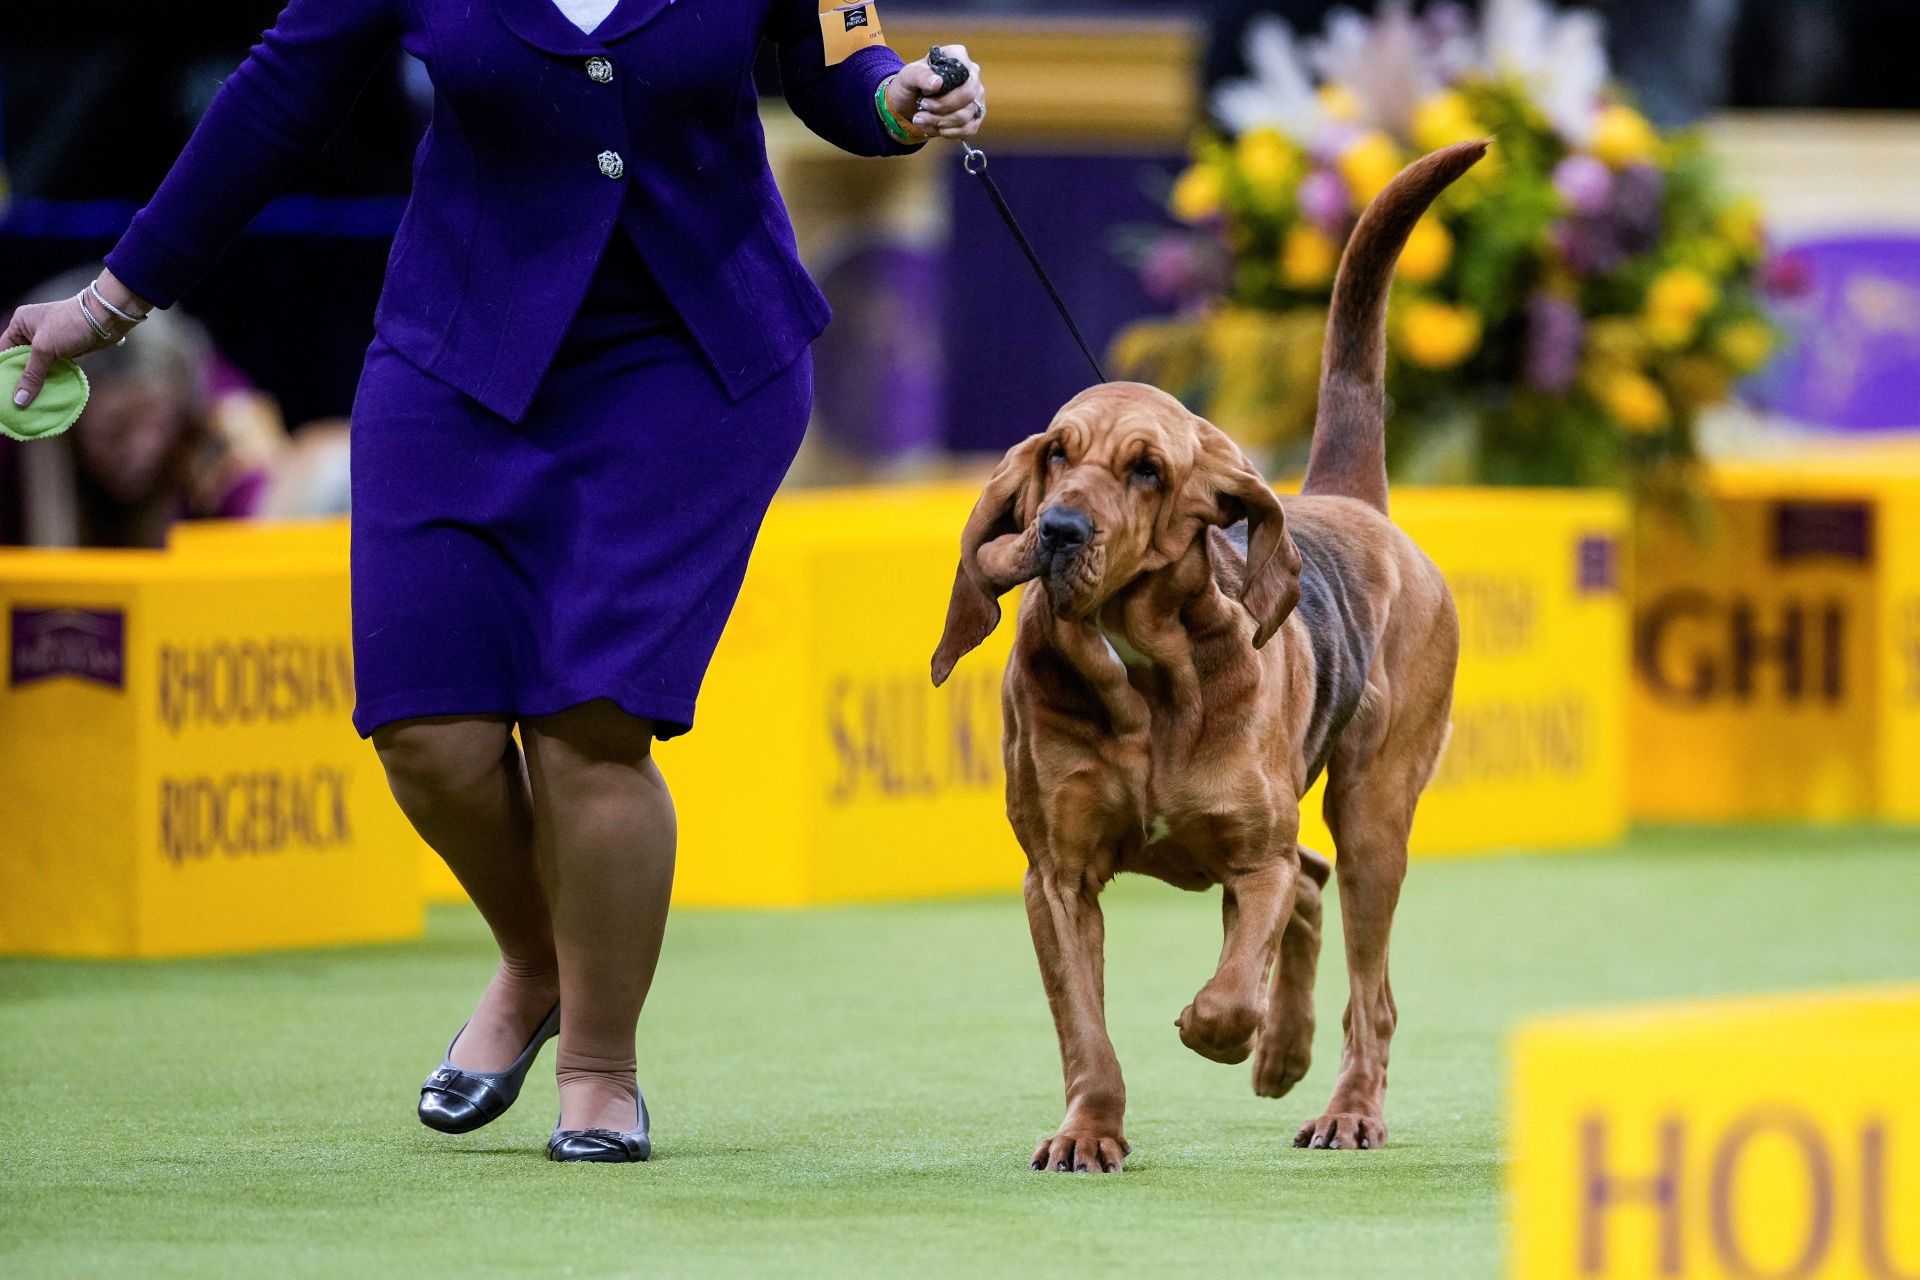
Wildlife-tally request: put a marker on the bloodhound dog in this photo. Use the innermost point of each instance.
(1193, 652)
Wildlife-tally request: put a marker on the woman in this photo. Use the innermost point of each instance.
(590, 375)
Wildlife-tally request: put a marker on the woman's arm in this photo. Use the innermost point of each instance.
(270, 118)
(839, 102)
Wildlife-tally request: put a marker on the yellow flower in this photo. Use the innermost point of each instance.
(1715, 257)
(1670, 331)
(1307, 258)
(1444, 119)
(1616, 340)
(1634, 401)
(1745, 344)
(1676, 302)
(1339, 102)
(1368, 166)
(1698, 381)
(1622, 136)
(1429, 249)
(1438, 336)
(1199, 193)
(1740, 227)
(1267, 162)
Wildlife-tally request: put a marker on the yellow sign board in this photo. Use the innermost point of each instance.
(1777, 650)
(181, 774)
(329, 540)
(1757, 1138)
(826, 768)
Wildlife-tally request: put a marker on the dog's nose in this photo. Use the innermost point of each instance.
(1064, 529)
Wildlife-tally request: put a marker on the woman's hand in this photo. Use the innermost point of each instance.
(60, 329)
(953, 115)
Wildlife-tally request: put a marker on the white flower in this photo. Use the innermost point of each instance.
(1390, 64)
(1387, 64)
(1279, 94)
(1561, 57)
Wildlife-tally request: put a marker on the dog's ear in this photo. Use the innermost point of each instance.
(997, 554)
(1236, 491)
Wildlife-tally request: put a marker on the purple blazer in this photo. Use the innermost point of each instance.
(543, 140)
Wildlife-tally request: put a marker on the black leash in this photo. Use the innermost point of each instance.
(953, 73)
(975, 163)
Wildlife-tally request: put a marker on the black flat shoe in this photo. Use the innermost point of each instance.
(602, 1146)
(455, 1100)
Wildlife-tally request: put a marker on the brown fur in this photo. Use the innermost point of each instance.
(1169, 701)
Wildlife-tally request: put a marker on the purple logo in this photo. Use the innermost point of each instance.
(87, 644)
(1599, 564)
(1841, 529)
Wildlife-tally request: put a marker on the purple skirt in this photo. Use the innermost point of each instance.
(592, 550)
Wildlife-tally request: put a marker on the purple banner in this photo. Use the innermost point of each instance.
(87, 644)
(1853, 359)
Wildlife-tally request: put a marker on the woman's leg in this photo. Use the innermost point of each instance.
(462, 784)
(604, 833)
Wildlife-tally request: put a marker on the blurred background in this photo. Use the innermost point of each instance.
(944, 345)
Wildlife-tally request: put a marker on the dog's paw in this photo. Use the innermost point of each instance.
(1082, 1148)
(1342, 1131)
(1219, 1029)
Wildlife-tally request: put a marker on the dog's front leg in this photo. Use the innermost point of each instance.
(1069, 937)
(1224, 1019)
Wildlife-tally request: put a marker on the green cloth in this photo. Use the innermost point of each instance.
(57, 407)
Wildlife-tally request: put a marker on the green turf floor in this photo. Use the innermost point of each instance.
(856, 1092)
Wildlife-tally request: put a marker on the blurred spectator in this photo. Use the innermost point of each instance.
(169, 433)
(98, 97)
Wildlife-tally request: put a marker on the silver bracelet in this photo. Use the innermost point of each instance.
(100, 331)
(101, 298)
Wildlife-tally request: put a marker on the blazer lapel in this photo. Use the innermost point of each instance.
(541, 24)
(630, 15)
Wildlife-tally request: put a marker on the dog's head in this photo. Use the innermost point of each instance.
(1124, 482)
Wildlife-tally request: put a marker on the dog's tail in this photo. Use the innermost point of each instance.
(1349, 454)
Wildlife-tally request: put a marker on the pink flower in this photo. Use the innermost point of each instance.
(1324, 200)
(1588, 246)
(1787, 275)
(1636, 212)
(1584, 183)
(1183, 271)
(1555, 333)
(1333, 140)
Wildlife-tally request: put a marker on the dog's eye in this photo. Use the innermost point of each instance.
(1057, 456)
(1146, 472)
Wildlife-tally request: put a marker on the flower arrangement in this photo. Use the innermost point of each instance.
(1560, 317)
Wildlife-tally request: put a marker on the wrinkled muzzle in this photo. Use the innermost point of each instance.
(1067, 550)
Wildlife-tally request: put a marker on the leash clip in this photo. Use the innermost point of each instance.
(974, 153)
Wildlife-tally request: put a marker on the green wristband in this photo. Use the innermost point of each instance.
(897, 130)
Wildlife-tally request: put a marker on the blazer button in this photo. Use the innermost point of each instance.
(612, 165)
(599, 70)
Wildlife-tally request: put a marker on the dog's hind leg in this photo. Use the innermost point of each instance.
(1373, 784)
(1286, 1040)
